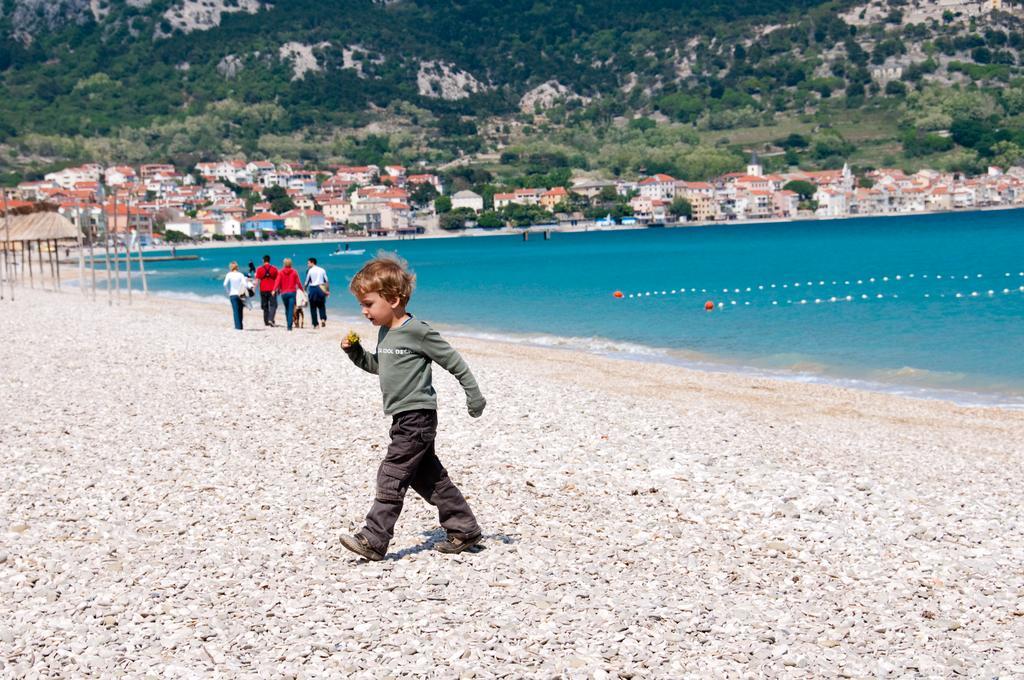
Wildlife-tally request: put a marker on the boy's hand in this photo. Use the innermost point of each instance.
(351, 339)
(476, 408)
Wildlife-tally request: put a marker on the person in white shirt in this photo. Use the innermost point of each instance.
(235, 285)
(317, 289)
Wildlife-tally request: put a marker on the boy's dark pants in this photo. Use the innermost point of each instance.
(411, 461)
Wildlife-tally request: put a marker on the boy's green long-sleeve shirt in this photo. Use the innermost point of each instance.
(402, 361)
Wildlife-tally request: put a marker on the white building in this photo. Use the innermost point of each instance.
(69, 177)
(831, 203)
(337, 211)
(433, 180)
(118, 175)
(658, 186)
(190, 228)
(394, 216)
(229, 226)
(467, 199)
(361, 174)
(309, 221)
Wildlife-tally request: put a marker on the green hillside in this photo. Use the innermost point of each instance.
(682, 87)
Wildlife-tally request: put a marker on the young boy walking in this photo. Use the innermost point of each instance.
(406, 347)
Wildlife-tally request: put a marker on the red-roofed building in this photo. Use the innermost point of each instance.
(701, 196)
(553, 197)
(757, 204)
(308, 221)
(832, 202)
(785, 203)
(372, 195)
(15, 206)
(68, 177)
(395, 216)
(433, 180)
(335, 186)
(155, 170)
(259, 168)
(123, 218)
(869, 202)
(660, 186)
(117, 175)
(519, 197)
(337, 211)
(361, 174)
(33, 191)
(752, 183)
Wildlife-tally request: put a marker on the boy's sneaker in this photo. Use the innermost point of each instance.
(361, 547)
(455, 544)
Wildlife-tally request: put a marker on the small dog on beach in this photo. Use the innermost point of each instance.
(298, 317)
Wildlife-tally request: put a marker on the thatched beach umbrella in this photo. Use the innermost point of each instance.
(11, 207)
(40, 228)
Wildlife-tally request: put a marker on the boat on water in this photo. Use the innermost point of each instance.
(358, 251)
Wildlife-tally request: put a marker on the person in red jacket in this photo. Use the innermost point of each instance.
(267, 276)
(287, 283)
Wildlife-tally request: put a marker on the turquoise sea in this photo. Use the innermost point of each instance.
(930, 305)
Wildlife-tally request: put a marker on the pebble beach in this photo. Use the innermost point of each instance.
(173, 492)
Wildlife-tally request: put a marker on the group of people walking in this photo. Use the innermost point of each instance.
(272, 282)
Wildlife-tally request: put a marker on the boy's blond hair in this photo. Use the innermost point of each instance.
(387, 275)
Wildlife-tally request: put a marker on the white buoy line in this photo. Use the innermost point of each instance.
(845, 282)
(864, 297)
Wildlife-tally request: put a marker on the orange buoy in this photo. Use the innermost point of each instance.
(617, 294)
(709, 305)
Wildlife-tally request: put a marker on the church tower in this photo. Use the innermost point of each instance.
(754, 167)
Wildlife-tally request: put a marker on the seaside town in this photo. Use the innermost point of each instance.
(236, 199)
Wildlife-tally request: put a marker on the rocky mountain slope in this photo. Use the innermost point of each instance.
(244, 75)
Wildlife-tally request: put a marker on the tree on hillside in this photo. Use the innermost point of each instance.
(423, 193)
(1007, 154)
(274, 192)
(456, 219)
(443, 204)
(801, 187)
(282, 205)
(680, 208)
(490, 220)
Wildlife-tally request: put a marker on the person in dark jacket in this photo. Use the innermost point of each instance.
(267, 276)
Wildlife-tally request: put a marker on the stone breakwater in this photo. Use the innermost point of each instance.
(173, 493)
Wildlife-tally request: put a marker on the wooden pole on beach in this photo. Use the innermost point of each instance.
(142, 268)
(54, 271)
(7, 267)
(92, 257)
(128, 265)
(8, 250)
(39, 258)
(5, 273)
(81, 251)
(31, 276)
(106, 245)
(117, 265)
